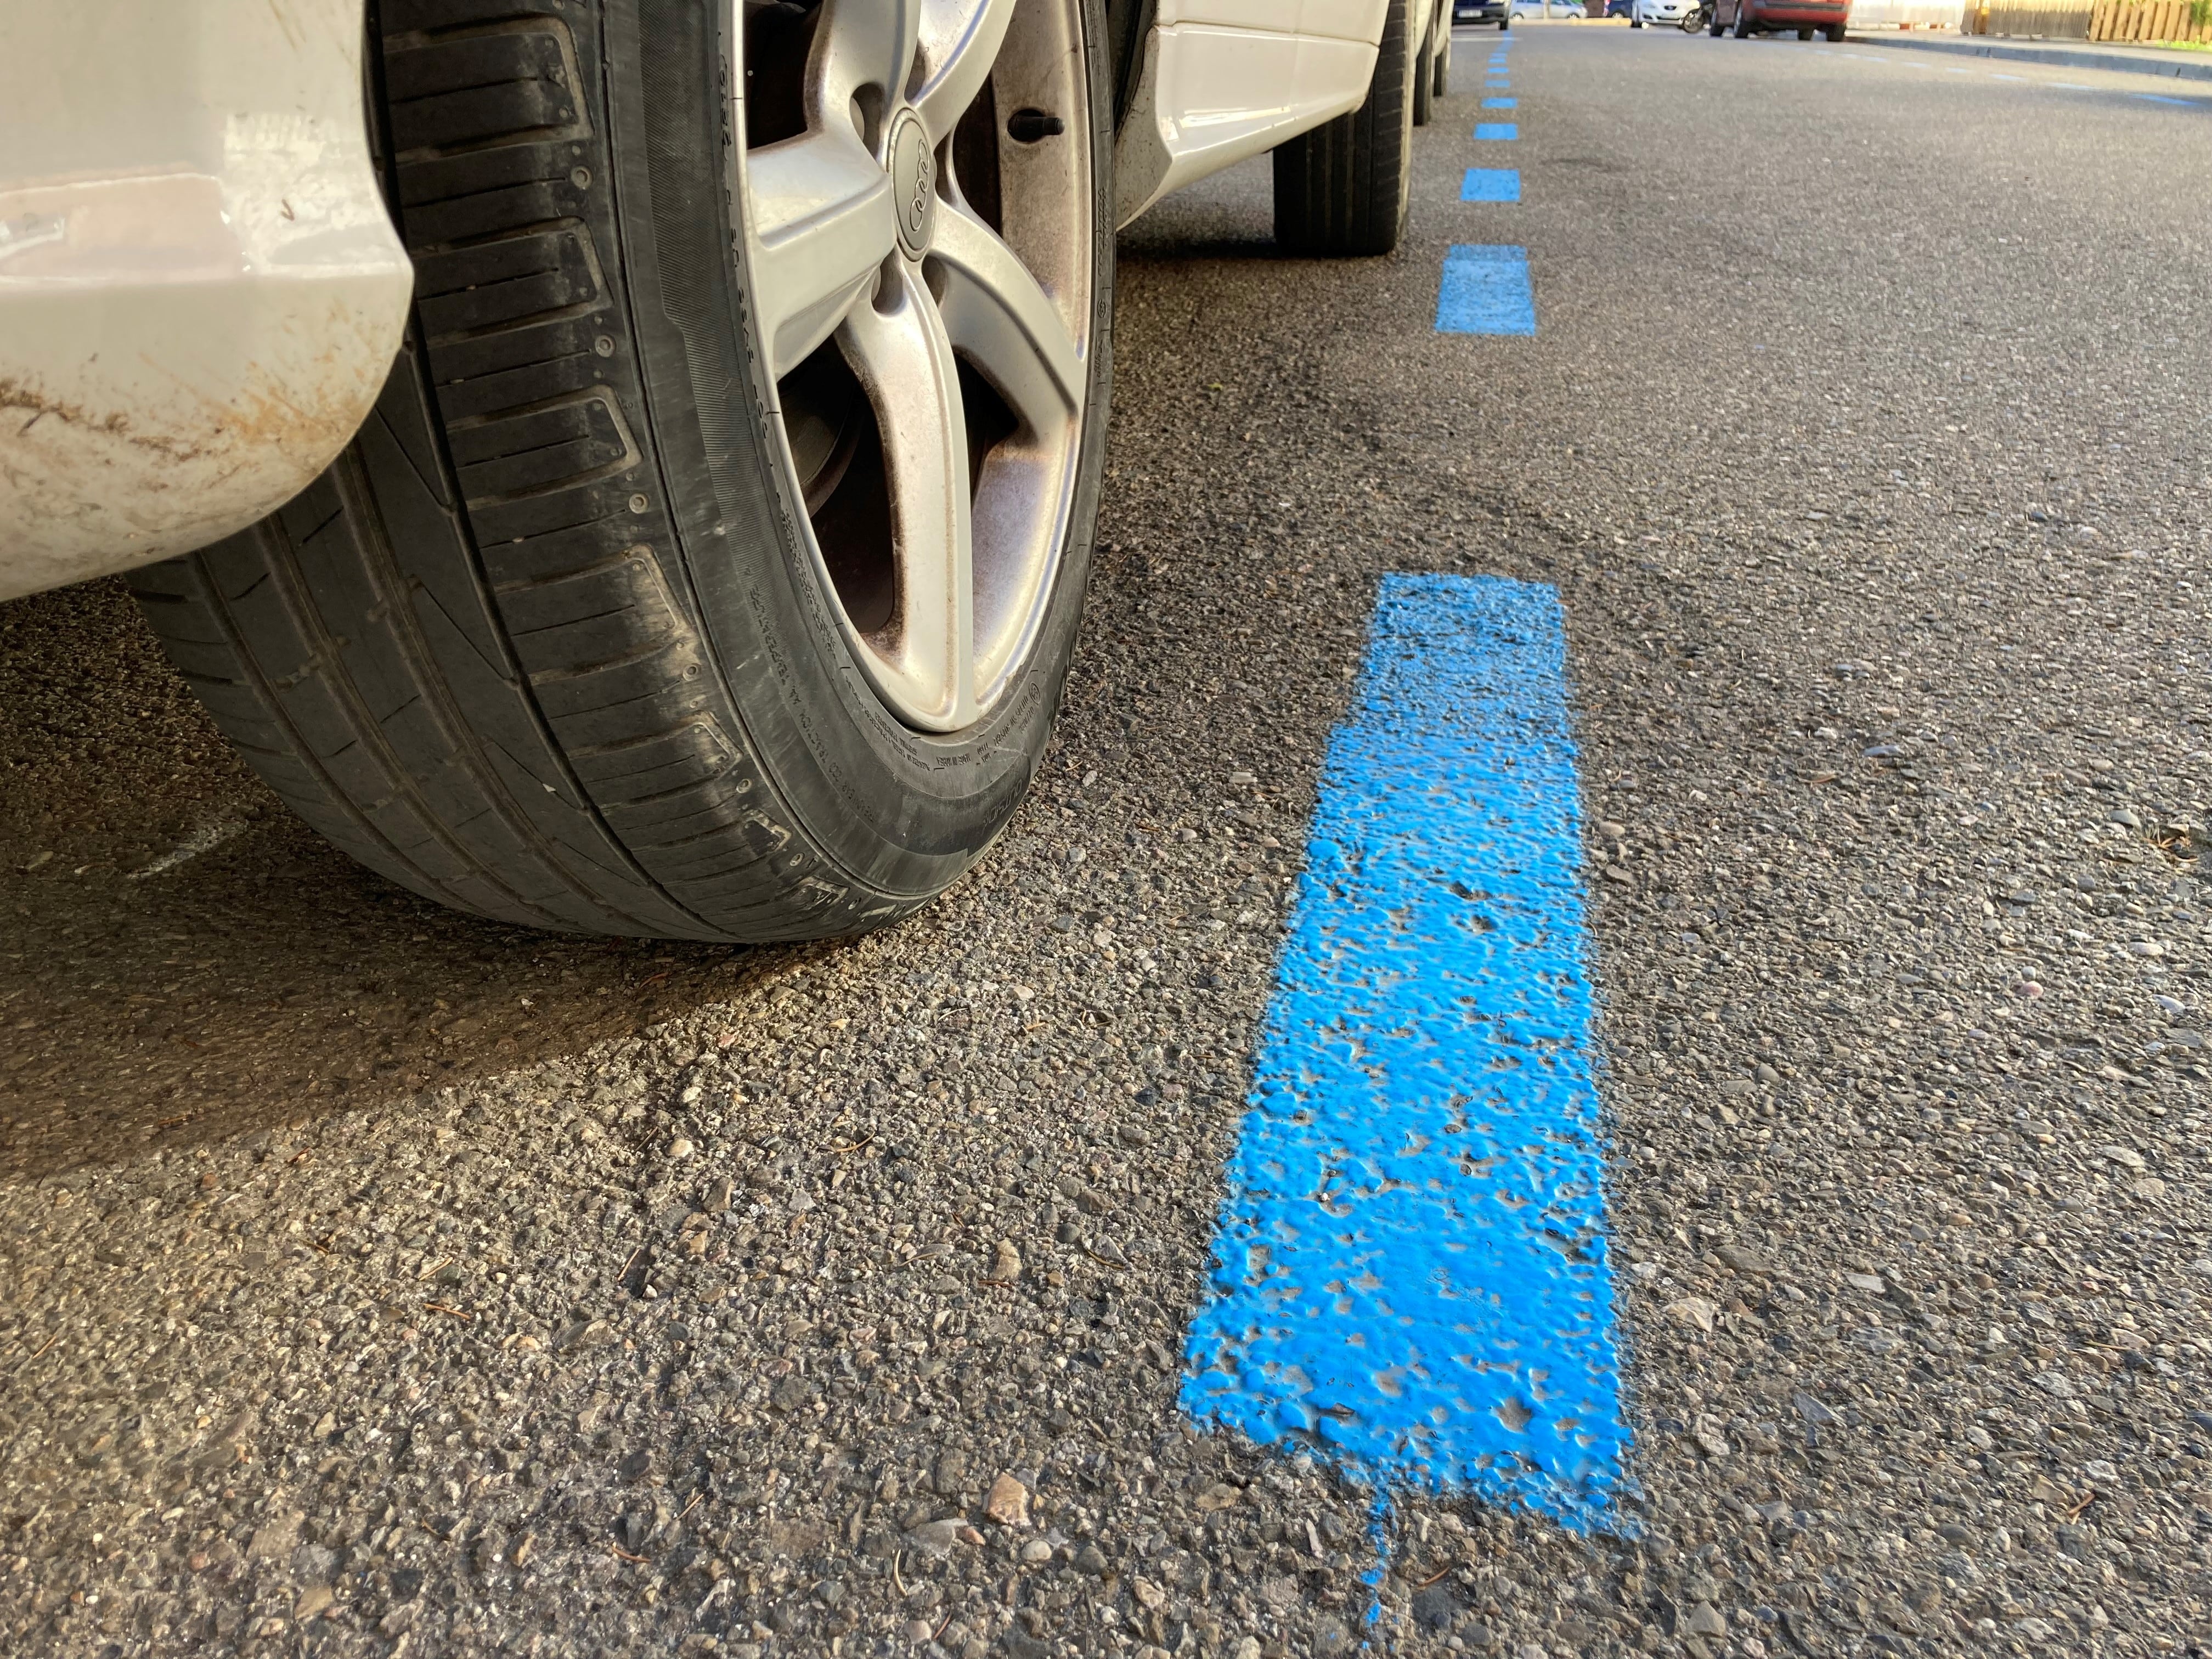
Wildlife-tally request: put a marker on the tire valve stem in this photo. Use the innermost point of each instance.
(1027, 126)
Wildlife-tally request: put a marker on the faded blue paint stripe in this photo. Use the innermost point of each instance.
(1485, 290)
(1496, 130)
(1412, 1266)
(1490, 184)
(1501, 103)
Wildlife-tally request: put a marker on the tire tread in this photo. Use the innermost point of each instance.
(458, 653)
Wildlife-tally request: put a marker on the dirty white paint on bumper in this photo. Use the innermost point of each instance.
(200, 291)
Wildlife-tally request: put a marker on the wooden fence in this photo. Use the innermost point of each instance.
(2048, 19)
(2158, 20)
(2093, 20)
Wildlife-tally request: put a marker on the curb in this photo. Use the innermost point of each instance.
(2082, 60)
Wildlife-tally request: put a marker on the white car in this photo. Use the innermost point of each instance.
(627, 466)
(1661, 14)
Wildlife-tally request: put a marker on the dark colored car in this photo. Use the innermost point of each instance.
(1744, 18)
(1485, 12)
(1622, 8)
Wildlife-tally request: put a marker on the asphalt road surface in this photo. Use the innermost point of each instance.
(380, 1282)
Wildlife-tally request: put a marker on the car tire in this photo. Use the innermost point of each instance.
(1804, 34)
(1742, 30)
(1836, 33)
(1440, 74)
(579, 632)
(1636, 23)
(1343, 188)
(1424, 73)
(1714, 28)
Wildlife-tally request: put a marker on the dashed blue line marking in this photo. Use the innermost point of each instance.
(1490, 184)
(1500, 103)
(2161, 98)
(1485, 290)
(1496, 130)
(1411, 1270)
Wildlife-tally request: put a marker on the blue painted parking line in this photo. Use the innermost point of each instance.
(2161, 98)
(1499, 129)
(1485, 290)
(1500, 103)
(1490, 184)
(1412, 1260)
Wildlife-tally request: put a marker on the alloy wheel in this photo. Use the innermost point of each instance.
(914, 188)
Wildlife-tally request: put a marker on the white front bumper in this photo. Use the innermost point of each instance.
(200, 290)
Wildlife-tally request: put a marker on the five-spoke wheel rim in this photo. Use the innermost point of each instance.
(914, 181)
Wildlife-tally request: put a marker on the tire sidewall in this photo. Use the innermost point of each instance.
(1410, 69)
(902, 812)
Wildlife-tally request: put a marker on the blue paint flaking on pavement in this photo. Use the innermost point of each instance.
(1496, 130)
(1501, 103)
(1485, 290)
(1490, 184)
(1412, 1271)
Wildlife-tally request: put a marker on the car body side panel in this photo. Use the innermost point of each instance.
(201, 293)
(1222, 80)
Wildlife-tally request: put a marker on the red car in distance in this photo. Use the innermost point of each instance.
(1744, 18)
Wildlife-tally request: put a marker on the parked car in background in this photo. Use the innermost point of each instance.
(1556, 11)
(1744, 18)
(1483, 13)
(1660, 14)
(627, 466)
(1622, 8)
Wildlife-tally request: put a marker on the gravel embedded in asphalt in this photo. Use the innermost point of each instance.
(832, 1300)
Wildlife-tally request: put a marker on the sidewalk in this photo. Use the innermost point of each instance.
(2053, 54)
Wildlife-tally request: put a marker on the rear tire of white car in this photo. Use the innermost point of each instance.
(680, 587)
(1343, 188)
(1424, 74)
